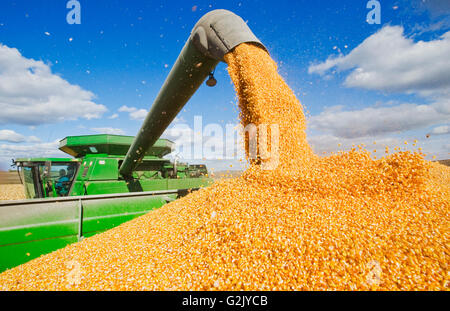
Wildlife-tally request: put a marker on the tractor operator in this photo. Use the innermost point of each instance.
(61, 183)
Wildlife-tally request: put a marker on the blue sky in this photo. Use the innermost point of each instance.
(122, 51)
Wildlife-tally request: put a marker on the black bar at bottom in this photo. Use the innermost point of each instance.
(233, 300)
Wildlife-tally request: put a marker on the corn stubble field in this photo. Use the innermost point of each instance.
(11, 192)
(342, 222)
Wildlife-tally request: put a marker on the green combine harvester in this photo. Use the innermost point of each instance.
(112, 179)
(95, 169)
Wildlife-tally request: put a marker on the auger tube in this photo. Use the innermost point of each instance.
(214, 35)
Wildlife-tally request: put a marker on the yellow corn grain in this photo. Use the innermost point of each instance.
(342, 222)
(11, 192)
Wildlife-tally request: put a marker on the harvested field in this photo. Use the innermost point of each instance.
(226, 174)
(444, 162)
(11, 192)
(9, 178)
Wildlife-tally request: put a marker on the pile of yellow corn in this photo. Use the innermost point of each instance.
(344, 222)
(11, 192)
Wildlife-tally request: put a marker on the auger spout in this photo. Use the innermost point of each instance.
(214, 35)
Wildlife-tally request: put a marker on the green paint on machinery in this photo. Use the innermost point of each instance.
(31, 228)
(112, 179)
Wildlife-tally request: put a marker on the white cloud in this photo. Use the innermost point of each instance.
(139, 114)
(11, 136)
(127, 109)
(210, 143)
(434, 7)
(8, 152)
(330, 143)
(433, 146)
(34, 139)
(113, 116)
(443, 24)
(441, 130)
(134, 113)
(192, 147)
(373, 121)
(31, 94)
(388, 61)
(195, 148)
(108, 130)
(179, 120)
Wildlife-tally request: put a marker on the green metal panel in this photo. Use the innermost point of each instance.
(188, 183)
(47, 159)
(13, 255)
(38, 231)
(37, 220)
(103, 215)
(80, 146)
(78, 189)
(122, 186)
(31, 228)
(105, 169)
(110, 187)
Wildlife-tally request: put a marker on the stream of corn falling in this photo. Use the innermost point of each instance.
(342, 222)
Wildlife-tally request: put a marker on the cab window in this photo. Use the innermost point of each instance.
(59, 180)
(27, 175)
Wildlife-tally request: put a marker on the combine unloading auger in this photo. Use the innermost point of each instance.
(214, 35)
